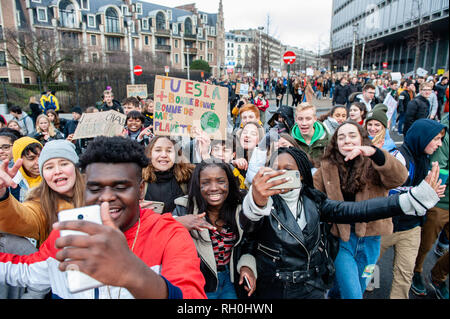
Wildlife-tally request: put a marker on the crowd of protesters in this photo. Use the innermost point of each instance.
(228, 226)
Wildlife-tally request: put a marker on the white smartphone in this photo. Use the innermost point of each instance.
(293, 180)
(77, 280)
(247, 283)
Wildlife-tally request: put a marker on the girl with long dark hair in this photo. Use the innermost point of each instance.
(211, 213)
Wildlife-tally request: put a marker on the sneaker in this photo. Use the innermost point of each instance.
(439, 250)
(440, 289)
(418, 285)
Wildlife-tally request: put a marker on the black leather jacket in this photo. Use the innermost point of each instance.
(293, 263)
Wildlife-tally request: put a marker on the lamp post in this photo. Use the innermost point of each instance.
(187, 55)
(355, 26)
(259, 63)
(129, 21)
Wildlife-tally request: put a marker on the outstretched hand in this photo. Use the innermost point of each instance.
(195, 222)
(355, 151)
(7, 174)
(433, 180)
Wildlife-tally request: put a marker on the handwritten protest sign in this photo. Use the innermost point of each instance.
(135, 90)
(391, 103)
(183, 107)
(242, 88)
(110, 123)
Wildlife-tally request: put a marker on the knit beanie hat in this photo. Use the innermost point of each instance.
(77, 109)
(378, 113)
(58, 149)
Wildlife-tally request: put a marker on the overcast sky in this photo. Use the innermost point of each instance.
(301, 23)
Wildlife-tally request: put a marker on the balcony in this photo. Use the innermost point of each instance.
(190, 36)
(162, 32)
(190, 50)
(163, 47)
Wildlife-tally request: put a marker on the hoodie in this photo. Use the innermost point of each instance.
(18, 147)
(318, 143)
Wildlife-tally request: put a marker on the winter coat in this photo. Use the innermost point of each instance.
(392, 174)
(208, 265)
(340, 94)
(418, 108)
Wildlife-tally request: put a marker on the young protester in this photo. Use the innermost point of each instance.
(211, 213)
(135, 130)
(357, 113)
(135, 253)
(109, 103)
(167, 174)
(407, 95)
(45, 131)
(34, 107)
(423, 139)
(14, 125)
(61, 188)
(371, 174)
(248, 139)
(148, 110)
(291, 253)
(248, 113)
(22, 119)
(7, 139)
(368, 97)
(262, 104)
(72, 124)
(131, 104)
(334, 118)
(310, 134)
(435, 223)
(282, 119)
(419, 107)
(58, 123)
(377, 127)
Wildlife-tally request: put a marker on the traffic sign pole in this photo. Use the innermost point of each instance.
(289, 84)
(288, 58)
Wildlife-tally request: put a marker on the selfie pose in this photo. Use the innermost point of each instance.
(134, 254)
(285, 224)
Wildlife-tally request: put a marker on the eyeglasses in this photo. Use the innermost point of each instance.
(5, 147)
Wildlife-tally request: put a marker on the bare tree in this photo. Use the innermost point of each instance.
(40, 52)
(423, 33)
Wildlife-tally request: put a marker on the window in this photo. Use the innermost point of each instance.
(93, 39)
(84, 4)
(24, 61)
(176, 44)
(91, 21)
(210, 44)
(42, 14)
(6, 80)
(124, 10)
(188, 26)
(176, 58)
(70, 40)
(26, 80)
(200, 32)
(144, 24)
(201, 46)
(94, 57)
(113, 43)
(175, 28)
(169, 14)
(1, 32)
(139, 8)
(2, 58)
(146, 40)
(67, 14)
(213, 31)
(210, 57)
(112, 21)
(160, 21)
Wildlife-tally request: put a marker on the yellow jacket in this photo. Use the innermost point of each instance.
(26, 219)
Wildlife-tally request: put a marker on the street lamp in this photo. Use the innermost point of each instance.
(259, 64)
(355, 28)
(129, 21)
(187, 54)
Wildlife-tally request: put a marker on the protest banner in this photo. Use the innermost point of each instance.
(396, 76)
(135, 90)
(242, 88)
(184, 107)
(391, 103)
(110, 123)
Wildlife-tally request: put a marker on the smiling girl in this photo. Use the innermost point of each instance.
(62, 187)
(211, 214)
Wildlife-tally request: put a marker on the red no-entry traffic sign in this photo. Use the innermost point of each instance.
(289, 57)
(137, 70)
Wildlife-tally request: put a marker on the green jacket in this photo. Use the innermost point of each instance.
(441, 156)
(318, 143)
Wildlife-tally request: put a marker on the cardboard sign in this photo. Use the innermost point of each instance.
(391, 103)
(396, 76)
(421, 72)
(110, 123)
(309, 71)
(187, 108)
(242, 88)
(137, 90)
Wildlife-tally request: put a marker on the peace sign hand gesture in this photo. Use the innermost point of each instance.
(7, 174)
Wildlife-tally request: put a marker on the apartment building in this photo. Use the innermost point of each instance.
(172, 35)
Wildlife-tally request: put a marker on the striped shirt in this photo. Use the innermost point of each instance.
(222, 243)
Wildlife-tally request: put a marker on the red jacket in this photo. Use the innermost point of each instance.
(162, 243)
(260, 105)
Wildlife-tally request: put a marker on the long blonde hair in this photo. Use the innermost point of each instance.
(51, 128)
(49, 199)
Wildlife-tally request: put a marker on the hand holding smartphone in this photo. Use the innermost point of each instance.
(293, 182)
(78, 281)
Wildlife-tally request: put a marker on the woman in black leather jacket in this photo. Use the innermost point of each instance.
(286, 226)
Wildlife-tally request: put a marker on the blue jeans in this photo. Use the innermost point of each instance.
(355, 263)
(225, 288)
(401, 121)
